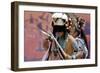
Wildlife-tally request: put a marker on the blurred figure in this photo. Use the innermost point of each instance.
(66, 42)
(79, 44)
(55, 51)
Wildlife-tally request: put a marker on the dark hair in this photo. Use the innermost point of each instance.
(81, 31)
(57, 28)
(83, 36)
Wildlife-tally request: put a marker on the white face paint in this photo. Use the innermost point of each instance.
(59, 22)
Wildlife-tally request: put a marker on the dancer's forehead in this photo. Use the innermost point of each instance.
(60, 15)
